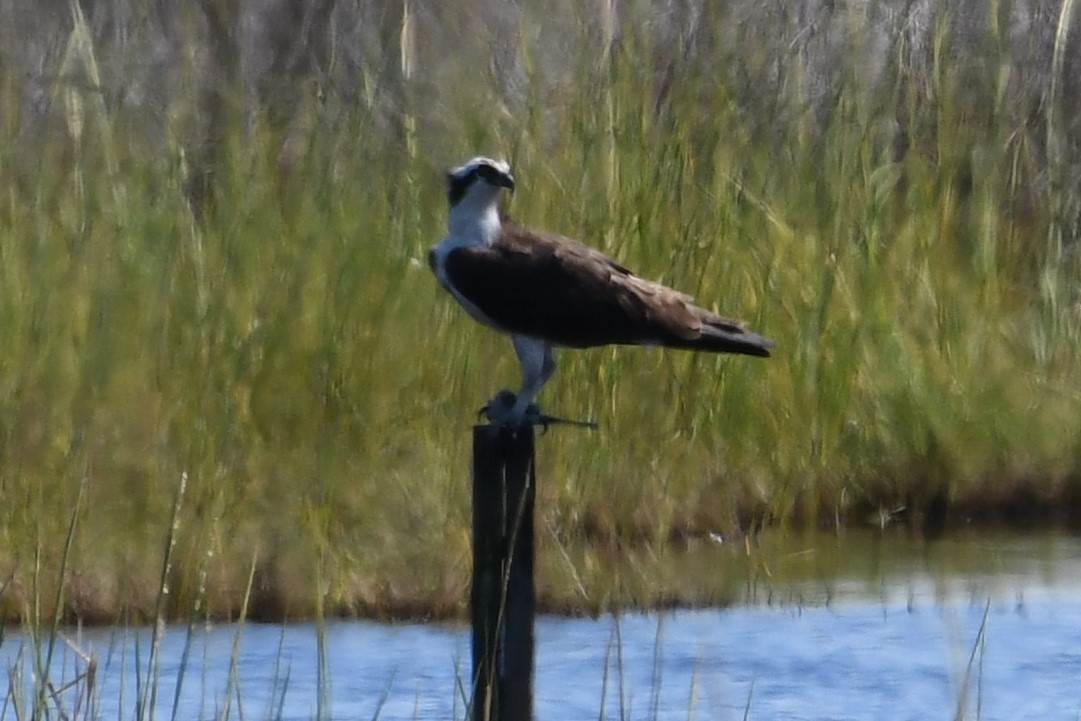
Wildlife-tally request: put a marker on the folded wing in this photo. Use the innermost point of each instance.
(569, 294)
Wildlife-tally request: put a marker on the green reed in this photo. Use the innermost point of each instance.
(287, 351)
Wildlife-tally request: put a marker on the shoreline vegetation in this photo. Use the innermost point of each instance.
(226, 371)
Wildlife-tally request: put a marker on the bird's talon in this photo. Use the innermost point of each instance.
(498, 412)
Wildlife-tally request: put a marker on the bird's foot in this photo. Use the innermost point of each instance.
(500, 411)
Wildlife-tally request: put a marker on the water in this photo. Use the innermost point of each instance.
(866, 648)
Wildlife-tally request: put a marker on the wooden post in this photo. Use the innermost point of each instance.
(503, 598)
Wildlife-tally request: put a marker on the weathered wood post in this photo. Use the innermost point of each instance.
(503, 600)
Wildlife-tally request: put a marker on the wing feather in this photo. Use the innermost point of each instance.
(557, 289)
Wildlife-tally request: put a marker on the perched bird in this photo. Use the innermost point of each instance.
(545, 290)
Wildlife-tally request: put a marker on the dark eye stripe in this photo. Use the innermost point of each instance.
(457, 185)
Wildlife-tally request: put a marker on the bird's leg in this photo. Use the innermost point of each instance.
(517, 410)
(538, 365)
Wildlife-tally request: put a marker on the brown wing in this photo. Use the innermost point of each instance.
(562, 291)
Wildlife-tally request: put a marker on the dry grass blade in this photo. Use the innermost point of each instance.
(966, 682)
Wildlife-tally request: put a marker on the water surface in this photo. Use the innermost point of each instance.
(1002, 641)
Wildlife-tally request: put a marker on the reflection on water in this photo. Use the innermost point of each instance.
(859, 646)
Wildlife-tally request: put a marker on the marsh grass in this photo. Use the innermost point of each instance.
(284, 349)
(632, 683)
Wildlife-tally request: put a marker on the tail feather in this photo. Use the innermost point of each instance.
(723, 335)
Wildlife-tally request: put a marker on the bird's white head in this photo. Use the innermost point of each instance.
(478, 181)
(473, 192)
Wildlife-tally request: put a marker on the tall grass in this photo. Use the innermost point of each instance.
(276, 338)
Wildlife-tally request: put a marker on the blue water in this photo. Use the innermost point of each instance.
(900, 653)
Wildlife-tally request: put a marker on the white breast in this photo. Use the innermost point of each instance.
(472, 222)
(438, 259)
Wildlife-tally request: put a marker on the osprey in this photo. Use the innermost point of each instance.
(545, 290)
